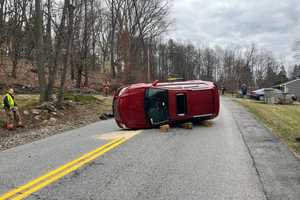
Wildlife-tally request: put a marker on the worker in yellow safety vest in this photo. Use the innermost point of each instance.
(10, 107)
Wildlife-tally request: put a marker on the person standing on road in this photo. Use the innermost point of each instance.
(223, 90)
(244, 90)
(10, 107)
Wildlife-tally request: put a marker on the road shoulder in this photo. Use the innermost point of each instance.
(277, 167)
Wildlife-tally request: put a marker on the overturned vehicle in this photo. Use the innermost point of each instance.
(144, 105)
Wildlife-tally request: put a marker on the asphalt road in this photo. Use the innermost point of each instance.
(211, 161)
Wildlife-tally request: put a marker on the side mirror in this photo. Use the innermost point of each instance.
(155, 83)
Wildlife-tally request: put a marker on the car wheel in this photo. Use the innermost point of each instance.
(261, 98)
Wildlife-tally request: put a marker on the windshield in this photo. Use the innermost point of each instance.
(156, 106)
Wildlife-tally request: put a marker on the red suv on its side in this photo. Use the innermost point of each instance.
(144, 105)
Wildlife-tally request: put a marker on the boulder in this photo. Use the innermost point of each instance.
(52, 121)
(47, 106)
(26, 112)
(37, 117)
(36, 111)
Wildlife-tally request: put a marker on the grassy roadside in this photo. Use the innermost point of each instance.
(283, 120)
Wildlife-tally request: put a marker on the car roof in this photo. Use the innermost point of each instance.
(262, 89)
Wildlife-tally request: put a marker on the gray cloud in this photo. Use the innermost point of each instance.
(272, 24)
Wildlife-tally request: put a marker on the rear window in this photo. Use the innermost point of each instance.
(181, 104)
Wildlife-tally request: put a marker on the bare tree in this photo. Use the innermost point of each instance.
(68, 36)
(39, 49)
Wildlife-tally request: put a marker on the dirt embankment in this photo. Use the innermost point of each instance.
(41, 122)
(27, 78)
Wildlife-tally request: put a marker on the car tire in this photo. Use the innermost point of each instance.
(261, 98)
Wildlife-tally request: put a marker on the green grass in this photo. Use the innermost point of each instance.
(27, 101)
(283, 120)
(30, 101)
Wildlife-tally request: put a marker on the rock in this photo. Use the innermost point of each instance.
(103, 117)
(45, 122)
(36, 111)
(26, 112)
(106, 116)
(37, 117)
(70, 103)
(164, 128)
(54, 113)
(48, 106)
(52, 121)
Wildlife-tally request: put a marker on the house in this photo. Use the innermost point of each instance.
(291, 87)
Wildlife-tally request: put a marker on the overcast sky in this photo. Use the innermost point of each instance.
(273, 24)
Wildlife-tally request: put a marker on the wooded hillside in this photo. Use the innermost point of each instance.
(54, 45)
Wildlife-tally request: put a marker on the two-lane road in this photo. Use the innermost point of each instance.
(210, 161)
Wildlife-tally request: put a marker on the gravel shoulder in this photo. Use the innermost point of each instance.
(45, 124)
(277, 167)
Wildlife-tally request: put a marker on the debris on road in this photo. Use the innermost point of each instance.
(106, 116)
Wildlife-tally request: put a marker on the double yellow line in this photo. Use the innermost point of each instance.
(52, 176)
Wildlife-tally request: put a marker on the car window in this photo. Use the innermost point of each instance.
(156, 106)
(181, 104)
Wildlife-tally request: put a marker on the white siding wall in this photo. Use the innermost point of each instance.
(294, 88)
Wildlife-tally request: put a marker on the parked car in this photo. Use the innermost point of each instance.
(260, 93)
(150, 105)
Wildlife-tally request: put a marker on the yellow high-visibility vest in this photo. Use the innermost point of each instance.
(9, 100)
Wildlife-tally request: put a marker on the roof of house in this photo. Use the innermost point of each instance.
(288, 82)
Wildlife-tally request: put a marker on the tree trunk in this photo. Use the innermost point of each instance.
(58, 45)
(86, 45)
(49, 54)
(39, 49)
(2, 27)
(69, 39)
(112, 39)
(79, 77)
(14, 65)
